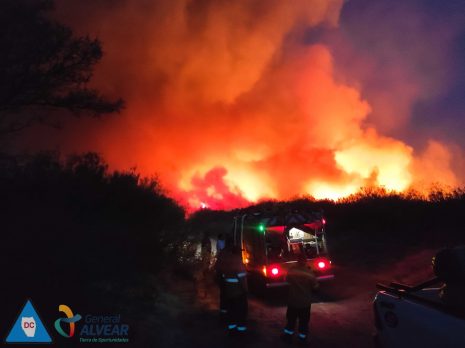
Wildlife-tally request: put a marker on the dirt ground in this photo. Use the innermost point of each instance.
(341, 313)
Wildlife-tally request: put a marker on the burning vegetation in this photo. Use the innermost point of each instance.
(233, 103)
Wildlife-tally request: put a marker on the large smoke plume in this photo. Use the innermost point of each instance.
(228, 102)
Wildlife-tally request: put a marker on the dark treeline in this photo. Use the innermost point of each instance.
(73, 232)
(373, 226)
(81, 223)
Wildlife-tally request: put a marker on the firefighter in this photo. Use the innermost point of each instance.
(219, 280)
(233, 288)
(220, 243)
(206, 250)
(449, 266)
(203, 276)
(302, 282)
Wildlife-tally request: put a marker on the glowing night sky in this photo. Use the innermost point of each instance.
(229, 102)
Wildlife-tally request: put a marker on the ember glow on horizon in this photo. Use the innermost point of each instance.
(231, 102)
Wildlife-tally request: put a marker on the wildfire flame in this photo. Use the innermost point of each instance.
(228, 104)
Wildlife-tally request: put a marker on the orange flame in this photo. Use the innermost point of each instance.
(228, 105)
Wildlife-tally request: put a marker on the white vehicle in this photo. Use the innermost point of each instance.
(419, 316)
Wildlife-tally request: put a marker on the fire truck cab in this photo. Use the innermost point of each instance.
(271, 243)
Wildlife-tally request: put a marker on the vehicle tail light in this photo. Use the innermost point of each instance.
(322, 264)
(271, 271)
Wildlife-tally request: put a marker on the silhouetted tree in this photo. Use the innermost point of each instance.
(43, 68)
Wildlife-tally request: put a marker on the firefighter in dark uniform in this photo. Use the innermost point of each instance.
(219, 280)
(234, 288)
(302, 282)
(449, 267)
(206, 251)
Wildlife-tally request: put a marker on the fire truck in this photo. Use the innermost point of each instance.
(272, 242)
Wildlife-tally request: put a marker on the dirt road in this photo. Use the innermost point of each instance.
(341, 314)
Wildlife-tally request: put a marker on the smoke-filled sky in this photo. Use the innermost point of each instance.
(229, 102)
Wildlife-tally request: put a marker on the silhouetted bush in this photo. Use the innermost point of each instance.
(72, 222)
(374, 226)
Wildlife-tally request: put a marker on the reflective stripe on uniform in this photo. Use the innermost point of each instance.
(302, 336)
(223, 311)
(242, 274)
(241, 328)
(232, 280)
(288, 332)
(232, 326)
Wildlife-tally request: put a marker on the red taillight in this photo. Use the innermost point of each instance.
(271, 271)
(322, 264)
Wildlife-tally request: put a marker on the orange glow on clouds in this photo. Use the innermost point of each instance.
(227, 106)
